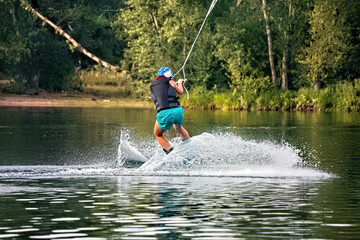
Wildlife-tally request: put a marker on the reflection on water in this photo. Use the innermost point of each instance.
(173, 208)
(266, 175)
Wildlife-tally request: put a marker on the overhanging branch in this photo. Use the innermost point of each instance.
(73, 42)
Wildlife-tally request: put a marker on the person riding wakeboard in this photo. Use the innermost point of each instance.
(169, 113)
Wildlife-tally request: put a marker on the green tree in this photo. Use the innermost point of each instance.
(11, 44)
(27, 51)
(204, 67)
(158, 33)
(89, 23)
(330, 42)
(290, 28)
(241, 46)
(32, 51)
(270, 42)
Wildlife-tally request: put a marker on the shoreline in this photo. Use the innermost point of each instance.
(81, 100)
(68, 100)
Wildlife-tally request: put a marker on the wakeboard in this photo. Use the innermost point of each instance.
(184, 152)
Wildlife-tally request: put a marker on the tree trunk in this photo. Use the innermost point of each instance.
(12, 12)
(317, 85)
(73, 42)
(268, 33)
(36, 80)
(284, 74)
(156, 26)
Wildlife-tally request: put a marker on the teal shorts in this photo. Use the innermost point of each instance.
(166, 118)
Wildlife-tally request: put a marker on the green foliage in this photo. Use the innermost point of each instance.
(330, 42)
(306, 98)
(238, 47)
(347, 96)
(343, 96)
(89, 23)
(208, 71)
(32, 51)
(200, 98)
(55, 74)
(231, 52)
(289, 28)
(103, 82)
(274, 99)
(226, 100)
(158, 33)
(326, 99)
(229, 65)
(15, 88)
(12, 40)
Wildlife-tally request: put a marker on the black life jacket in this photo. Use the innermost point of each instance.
(163, 94)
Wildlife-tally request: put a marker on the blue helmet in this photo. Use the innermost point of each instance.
(165, 72)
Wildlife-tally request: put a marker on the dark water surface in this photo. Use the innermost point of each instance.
(267, 175)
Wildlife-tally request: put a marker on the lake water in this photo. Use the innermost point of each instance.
(263, 175)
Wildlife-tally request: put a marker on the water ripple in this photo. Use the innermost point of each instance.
(137, 207)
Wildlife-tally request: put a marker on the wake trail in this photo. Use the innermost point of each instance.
(221, 154)
(205, 155)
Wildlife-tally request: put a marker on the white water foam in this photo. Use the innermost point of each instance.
(222, 154)
(219, 154)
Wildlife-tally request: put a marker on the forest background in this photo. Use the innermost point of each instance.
(251, 54)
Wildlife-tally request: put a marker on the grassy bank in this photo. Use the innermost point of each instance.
(117, 86)
(106, 83)
(343, 96)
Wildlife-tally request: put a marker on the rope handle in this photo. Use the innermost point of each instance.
(187, 92)
(183, 85)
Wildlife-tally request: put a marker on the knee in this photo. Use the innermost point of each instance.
(158, 133)
(178, 128)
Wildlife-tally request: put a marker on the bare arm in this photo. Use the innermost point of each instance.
(178, 85)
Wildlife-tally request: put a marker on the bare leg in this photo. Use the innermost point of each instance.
(159, 134)
(182, 131)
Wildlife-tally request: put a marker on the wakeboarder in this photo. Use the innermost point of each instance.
(169, 113)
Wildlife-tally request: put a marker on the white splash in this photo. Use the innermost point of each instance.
(222, 154)
(214, 155)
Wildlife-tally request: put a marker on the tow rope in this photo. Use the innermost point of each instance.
(192, 46)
